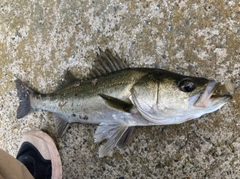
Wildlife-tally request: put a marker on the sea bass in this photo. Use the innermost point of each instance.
(118, 98)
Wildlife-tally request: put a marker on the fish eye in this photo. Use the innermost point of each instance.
(186, 85)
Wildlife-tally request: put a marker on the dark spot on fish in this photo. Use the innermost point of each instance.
(74, 115)
(76, 94)
(85, 117)
(80, 116)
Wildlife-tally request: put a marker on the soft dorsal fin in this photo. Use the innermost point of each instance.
(67, 79)
(106, 63)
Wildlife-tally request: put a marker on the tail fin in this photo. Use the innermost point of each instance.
(24, 93)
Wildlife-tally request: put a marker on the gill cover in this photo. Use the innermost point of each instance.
(163, 97)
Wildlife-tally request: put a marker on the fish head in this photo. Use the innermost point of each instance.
(169, 98)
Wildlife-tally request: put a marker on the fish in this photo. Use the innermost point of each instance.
(118, 98)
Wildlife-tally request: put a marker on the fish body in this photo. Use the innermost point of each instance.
(91, 101)
(118, 98)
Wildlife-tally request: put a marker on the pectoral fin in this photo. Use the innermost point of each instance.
(61, 125)
(115, 135)
(116, 103)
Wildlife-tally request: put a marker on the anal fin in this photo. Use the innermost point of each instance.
(113, 132)
(125, 137)
(61, 125)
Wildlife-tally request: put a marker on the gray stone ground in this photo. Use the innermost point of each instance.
(41, 39)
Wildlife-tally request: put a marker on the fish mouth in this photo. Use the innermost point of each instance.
(214, 92)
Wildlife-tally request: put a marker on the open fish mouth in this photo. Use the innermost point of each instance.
(214, 91)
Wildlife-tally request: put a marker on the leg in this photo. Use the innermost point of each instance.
(12, 168)
(39, 154)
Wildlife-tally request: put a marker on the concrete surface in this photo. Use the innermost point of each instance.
(40, 39)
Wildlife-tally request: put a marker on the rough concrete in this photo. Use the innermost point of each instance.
(40, 39)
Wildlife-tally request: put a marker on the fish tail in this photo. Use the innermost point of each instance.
(24, 94)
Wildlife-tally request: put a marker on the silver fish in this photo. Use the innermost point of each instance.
(118, 98)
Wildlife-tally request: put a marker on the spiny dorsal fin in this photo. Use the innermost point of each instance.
(106, 63)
